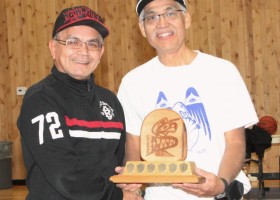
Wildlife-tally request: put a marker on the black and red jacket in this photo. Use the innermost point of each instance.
(73, 137)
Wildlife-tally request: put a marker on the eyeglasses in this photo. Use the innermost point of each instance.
(93, 45)
(168, 15)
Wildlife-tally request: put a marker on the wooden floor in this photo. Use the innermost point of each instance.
(270, 194)
(15, 193)
(20, 192)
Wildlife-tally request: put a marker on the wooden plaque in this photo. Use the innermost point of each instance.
(164, 149)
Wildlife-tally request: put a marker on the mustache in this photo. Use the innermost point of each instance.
(82, 58)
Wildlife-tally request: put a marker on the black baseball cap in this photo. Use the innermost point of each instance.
(142, 3)
(77, 16)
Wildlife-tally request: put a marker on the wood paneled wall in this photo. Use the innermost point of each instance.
(246, 32)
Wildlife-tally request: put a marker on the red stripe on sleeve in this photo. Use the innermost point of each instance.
(93, 124)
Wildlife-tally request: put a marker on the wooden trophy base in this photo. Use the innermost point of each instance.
(158, 172)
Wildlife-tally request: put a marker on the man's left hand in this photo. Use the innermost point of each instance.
(132, 187)
(212, 186)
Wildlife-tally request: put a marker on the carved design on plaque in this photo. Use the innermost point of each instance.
(161, 139)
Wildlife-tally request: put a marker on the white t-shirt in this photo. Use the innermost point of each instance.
(210, 96)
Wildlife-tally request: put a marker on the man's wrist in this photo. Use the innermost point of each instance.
(224, 193)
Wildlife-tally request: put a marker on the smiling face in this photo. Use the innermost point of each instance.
(77, 63)
(167, 36)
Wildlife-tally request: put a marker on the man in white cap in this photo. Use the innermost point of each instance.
(209, 94)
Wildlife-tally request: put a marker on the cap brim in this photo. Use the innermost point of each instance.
(104, 32)
(142, 3)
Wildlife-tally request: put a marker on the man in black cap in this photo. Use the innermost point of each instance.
(209, 94)
(72, 130)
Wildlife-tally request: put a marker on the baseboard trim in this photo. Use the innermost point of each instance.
(268, 176)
